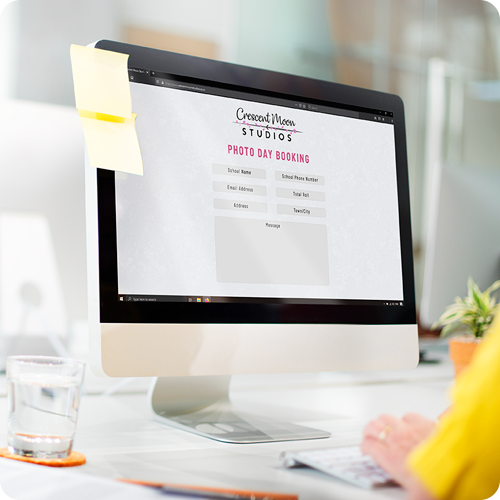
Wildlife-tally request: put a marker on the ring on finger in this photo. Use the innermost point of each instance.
(384, 433)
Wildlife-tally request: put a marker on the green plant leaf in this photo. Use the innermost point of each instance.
(493, 287)
(476, 311)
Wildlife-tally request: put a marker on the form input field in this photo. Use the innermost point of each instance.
(300, 194)
(271, 252)
(256, 173)
(229, 187)
(301, 211)
(319, 180)
(243, 206)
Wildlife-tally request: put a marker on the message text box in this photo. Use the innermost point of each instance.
(271, 252)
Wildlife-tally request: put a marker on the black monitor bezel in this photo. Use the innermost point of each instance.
(262, 81)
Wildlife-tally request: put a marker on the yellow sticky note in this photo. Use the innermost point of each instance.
(101, 81)
(102, 93)
(112, 145)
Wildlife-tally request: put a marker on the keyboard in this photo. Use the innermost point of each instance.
(347, 463)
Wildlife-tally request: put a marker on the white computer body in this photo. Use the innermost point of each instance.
(215, 268)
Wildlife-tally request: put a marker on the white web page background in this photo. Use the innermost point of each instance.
(183, 231)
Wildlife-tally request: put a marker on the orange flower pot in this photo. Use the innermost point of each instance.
(462, 350)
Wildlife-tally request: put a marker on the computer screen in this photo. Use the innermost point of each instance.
(253, 198)
(269, 233)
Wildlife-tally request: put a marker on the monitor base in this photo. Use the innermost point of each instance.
(201, 405)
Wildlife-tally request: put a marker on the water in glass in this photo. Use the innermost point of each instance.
(43, 410)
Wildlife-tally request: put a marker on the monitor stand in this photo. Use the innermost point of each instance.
(201, 405)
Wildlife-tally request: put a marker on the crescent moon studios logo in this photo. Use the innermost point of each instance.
(271, 126)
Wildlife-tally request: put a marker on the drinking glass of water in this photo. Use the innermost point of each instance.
(43, 395)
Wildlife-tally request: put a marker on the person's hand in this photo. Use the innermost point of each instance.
(389, 440)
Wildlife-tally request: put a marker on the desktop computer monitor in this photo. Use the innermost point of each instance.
(463, 238)
(270, 233)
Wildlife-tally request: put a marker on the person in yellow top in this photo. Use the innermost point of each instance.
(457, 458)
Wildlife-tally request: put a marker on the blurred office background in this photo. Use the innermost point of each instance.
(441, 56)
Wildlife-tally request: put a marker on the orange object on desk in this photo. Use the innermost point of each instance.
(74, 459)
(257, 495)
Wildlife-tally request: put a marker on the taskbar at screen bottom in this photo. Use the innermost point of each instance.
(256, 300)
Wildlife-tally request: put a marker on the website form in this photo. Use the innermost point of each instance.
(248, 199)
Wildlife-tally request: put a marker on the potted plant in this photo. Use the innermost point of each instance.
(474, 315)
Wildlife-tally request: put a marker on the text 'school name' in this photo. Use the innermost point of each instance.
(271, 119)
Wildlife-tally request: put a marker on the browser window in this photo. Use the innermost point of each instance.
(249, 197)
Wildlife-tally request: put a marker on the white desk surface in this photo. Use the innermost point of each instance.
(120, 439)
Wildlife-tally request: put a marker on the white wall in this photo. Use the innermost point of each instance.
(45, 32)
(8, 28)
